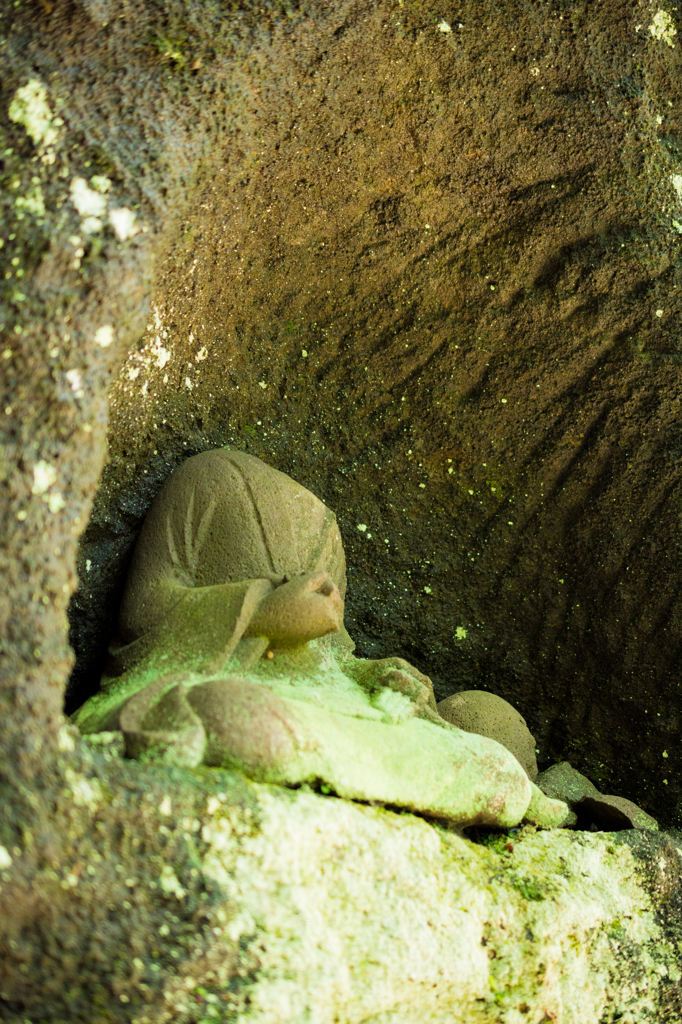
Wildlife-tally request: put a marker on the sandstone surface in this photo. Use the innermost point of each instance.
(201, 897)
(426, 260)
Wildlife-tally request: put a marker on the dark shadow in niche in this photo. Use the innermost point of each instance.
(105, 551)
(94, 608)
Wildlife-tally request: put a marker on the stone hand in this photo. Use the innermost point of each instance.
(299, 610)
(397, 674)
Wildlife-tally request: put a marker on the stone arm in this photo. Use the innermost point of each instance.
(191, 628)
(298, 610)
(207, 628)
(234, 723)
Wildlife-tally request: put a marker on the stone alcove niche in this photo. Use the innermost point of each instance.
(423, 279)
(465, 217)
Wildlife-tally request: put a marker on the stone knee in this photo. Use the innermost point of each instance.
(160, 727)
(247, 727)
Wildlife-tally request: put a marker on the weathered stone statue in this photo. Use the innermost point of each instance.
(232, 652)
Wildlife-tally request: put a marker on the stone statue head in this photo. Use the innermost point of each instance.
(223, 531)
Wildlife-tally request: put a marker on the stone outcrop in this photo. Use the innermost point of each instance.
(194, 897)
(591, 809)
(367, 243)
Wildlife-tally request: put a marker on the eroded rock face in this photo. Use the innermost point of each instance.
(444, 306)
(370, 250)
(211, 897)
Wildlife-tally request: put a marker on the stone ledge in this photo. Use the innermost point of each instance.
(209, 898)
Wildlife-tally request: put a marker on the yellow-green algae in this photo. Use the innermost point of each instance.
(329, 911)
(362, 914)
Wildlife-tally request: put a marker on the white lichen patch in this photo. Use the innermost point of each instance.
(162, 354)
(218, 834)
(65, 740)
(663, 27)
(30, 108)
(104, 335)
(75, 380)
(91, 225)
(87, 201)
(356, 912)
(124, 223)
(444, 27)
(44, 476)
(139, 375)
(33, 202)
(86, 792)
(169, 883)
(154, 354)
(55, 502)
(91, 203)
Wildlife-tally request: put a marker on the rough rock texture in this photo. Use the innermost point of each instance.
(431, 271)
(565, 780)
(199, 897)
(612, 813)
(432, 275)
(590, 808)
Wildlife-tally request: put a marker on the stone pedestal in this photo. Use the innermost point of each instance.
(194, 897)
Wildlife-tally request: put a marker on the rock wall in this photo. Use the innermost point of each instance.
(425, 261)
(424, 258)
(199, 897)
